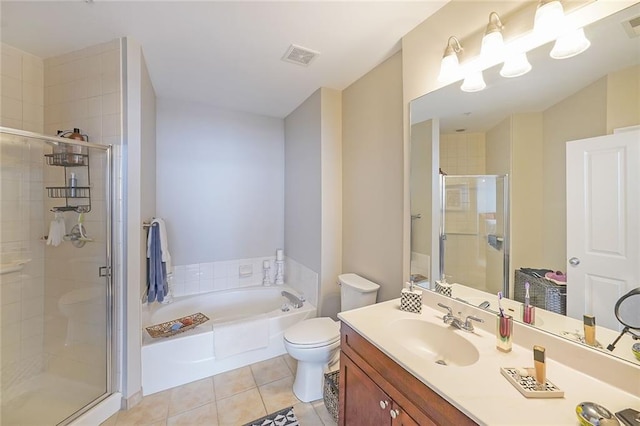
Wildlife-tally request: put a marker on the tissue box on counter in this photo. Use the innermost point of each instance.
(411, 301)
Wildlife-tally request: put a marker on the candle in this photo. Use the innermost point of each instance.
(265, 264)
(279, 254)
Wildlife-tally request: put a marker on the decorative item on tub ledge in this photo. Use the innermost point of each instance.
(176, 326)
(411, 300)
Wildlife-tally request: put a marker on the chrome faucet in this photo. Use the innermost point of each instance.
(296, 301)
(450, 319)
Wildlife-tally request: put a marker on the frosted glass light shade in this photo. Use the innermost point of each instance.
(570, 44)
(515, 66)
(492, 46)
(474, 82)
(549, 18)
(449, 69)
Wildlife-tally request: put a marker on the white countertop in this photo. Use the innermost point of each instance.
(479, 390)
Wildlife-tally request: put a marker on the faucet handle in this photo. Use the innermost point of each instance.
(442, 305)
(467, 323)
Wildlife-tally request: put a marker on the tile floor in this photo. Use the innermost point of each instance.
(227, 399)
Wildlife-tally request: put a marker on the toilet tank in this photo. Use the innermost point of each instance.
(356, 292)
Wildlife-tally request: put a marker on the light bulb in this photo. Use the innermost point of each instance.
(571, 44)
(449, 69)
(549, 18)
(492, 46)
(474, 82)
(515, 65)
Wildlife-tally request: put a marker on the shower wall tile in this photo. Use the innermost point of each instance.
(22, 90)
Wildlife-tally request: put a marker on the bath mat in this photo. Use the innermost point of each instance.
(285, 417)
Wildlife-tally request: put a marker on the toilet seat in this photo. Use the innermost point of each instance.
(313, 333)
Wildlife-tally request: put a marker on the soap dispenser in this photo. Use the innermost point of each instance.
(443, 287)
(411, 299)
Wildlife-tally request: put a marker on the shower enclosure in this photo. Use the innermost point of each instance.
(56, 292)
(474, 234)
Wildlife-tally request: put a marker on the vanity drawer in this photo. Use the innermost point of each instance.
(417, 399)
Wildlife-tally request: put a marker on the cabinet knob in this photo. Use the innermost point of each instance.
(394, 413)
(384, 404)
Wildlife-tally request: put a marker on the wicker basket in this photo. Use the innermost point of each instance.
(330, 393)
(543, 293)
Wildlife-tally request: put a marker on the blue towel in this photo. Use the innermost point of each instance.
(157, 285)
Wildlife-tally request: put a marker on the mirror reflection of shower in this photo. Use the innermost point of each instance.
(474, 231)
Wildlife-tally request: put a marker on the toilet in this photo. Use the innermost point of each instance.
(315, 342)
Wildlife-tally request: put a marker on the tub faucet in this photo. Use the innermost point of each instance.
(296, 301)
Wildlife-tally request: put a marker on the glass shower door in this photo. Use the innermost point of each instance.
(56, 295)
(474, 231)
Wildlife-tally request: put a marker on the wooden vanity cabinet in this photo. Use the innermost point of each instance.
(376, 391)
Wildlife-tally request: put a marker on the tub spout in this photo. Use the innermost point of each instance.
(296, 301)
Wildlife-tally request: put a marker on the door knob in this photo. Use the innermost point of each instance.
(384, 404)
(394, 413)
(574, 261)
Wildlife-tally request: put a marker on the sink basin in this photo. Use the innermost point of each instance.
(434, 342)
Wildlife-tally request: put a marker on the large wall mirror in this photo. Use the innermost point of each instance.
(522, 128)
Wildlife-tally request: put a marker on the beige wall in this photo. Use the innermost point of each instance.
(623, 98)
(373, 177)
(527, 197)
(331, 190)
(579, 116)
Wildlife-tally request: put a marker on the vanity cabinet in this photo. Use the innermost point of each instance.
(375, 390)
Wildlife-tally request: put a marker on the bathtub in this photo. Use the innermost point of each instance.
(189, 356)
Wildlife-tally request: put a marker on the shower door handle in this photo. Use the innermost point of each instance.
(104, 271)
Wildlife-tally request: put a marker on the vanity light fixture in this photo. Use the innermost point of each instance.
(492, 41)
(570, 44)
(549, 19)
(450, 67)
(473, 82)
(515, 65)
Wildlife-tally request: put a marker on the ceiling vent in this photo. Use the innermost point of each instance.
(300, 55)
(632, 27)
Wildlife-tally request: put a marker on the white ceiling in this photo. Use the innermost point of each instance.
(226, 54)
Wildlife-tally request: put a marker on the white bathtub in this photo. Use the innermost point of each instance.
(189, 356)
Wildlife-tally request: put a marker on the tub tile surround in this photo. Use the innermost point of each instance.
(201, 278)
(231, 398)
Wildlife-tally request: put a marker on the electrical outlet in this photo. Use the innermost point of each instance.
(245, 271)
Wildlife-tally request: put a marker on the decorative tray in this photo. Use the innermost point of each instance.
(528, 386)
(168, 328)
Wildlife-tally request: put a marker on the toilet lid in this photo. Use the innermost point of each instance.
(315, 331)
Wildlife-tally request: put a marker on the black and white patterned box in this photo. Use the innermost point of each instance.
(411, 301)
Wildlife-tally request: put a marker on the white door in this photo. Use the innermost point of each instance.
(603, 232)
